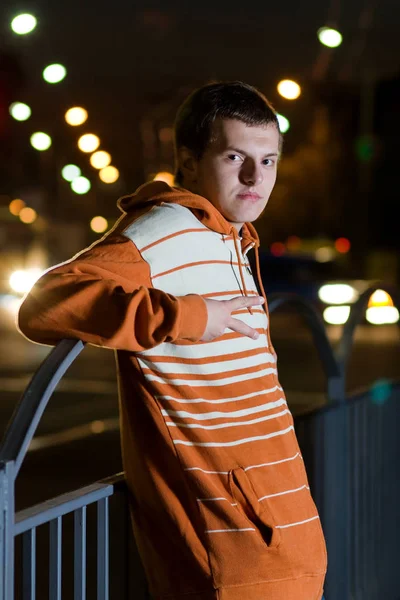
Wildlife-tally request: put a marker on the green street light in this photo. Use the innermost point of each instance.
(23, 24)
(329, 37)
(284, 123)
(20, 111)
(40, 141)
(70, 172)
(81, 185)
(54, 73)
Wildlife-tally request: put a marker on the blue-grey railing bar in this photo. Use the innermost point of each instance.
(29, 410)
(29, 565)
(345, 344)
(103, 549)
(313, 320)
(55, 558)
(80, 554)
(7, 504)
(62, 505)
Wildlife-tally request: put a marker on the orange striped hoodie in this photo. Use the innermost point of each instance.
(221, 506)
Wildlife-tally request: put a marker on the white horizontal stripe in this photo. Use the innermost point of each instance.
(219, 347)
(205, 279)
(224, 400)
(180, 368)
(210, 499)
(224, 425)
(269, 464)
(183, 414)
(229, 530)
(303, 487)
(298, 523)
(208, 472)
(236, 442)
(212, 382)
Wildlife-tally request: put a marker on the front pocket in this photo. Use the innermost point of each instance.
(248, 504)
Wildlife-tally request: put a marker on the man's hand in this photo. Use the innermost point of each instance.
(219, 317)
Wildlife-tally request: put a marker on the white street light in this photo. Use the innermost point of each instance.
(289, 89)
(20, 111)
(100, 159)
(23, 24)
(54, 73)
(81, 185)
(76, 116)
(88, 142)
(40, 141)
(70, 172)
(329, 37)
(284, 123)
(109, 174)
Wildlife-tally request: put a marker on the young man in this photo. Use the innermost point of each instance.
(220, 500)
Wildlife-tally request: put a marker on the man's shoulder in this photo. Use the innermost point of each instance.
(161, 221)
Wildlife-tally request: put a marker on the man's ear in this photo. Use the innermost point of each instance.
(187, 165)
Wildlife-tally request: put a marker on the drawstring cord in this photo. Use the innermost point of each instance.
(239, 255)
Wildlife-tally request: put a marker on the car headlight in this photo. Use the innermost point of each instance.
(22, 280)
(336, 315)
(381, 310)
(337, 293)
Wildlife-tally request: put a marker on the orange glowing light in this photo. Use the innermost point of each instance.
(278, 248)
(342, 245)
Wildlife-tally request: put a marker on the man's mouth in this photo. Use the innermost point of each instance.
(249, 196)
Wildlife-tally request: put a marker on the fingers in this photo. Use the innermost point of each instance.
(240, 327)
(244, 302)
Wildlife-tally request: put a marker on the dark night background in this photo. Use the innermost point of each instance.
(131, 64)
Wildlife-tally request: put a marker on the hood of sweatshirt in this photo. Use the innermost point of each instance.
(157, 192)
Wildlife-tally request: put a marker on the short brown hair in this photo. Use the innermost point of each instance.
(222, 100)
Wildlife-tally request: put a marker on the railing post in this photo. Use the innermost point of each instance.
(7, 512)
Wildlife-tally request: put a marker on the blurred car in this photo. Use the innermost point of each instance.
(326, 285)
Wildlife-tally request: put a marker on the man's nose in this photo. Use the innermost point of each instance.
(252, 174)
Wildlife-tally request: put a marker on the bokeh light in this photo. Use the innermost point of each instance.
(81, 185)
(23, 24)
(289, 89)
(40, 141)
(20, 111)
(21, 281)
(70, 172)
(109, 174)
(284, 123)
(165, 176)
(336, 315)
(88, 142)
(342, 245)
(329, 37)
(76, 116)
(28, 215)
(278, 248)
(337, 293)
(54, 73)
(380, 298)
(16, 206)
(100, 159)
(98, 224)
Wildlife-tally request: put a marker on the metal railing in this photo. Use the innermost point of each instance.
(341, 452)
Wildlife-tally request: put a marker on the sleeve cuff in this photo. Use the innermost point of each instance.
(193, 318)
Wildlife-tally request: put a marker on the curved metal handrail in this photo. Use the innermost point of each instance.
(314, 322)
(29, 410)
(345, 344)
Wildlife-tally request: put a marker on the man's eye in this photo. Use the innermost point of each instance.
(268, 162)
(234, 157)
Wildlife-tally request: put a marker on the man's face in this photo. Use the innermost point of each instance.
(237, 172)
